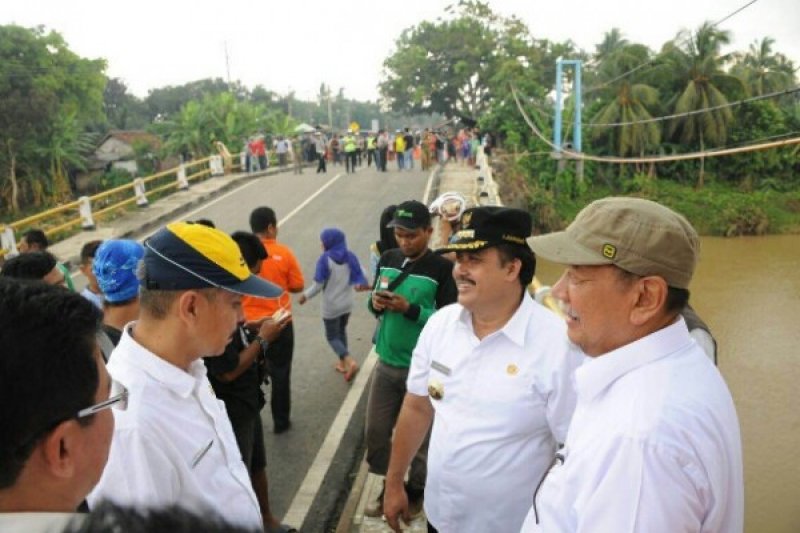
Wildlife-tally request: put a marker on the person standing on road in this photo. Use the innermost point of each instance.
(492, 374)
(282, 269)
(409, 144)
(297, 154)
(236, 377)
(338, 272)
(174, 444)
(350, 151)
(321, 147)
(400, 149)
(371, 146)
(382, 152)
(654, 445)
(412, 283)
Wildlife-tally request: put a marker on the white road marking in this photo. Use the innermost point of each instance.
(304, 498)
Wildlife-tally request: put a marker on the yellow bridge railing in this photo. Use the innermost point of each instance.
(86, 209)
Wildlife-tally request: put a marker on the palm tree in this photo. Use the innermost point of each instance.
(611, 43)
(762, 70)
(627, 101)
(697, 68)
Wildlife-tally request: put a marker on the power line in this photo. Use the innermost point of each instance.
(658, 56)
(695, 112)
(649, 159)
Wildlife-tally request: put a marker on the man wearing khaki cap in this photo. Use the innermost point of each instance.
(654, 443)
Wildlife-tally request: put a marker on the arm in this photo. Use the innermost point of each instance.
(646, 487)
(413, 424)
(268, 330)
(310, 292)
(295, 282)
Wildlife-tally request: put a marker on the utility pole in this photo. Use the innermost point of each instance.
(227, 64)
(330, 114)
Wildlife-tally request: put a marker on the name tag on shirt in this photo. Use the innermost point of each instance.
(436, 365)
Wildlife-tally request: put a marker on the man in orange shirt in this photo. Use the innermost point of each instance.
(282, 269)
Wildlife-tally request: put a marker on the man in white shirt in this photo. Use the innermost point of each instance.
(492, 373)
(55, 395)
(175, 445)
(654, 443)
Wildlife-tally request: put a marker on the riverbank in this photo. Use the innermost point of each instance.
(717, 209)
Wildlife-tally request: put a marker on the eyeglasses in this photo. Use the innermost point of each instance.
(117, 399)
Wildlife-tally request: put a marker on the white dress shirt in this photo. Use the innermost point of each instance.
(653, 447)
(506, 400)
(174, 444)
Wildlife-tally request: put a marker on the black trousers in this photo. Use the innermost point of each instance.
(432, 529)
(321, 165)
(279, 357)
(350, 161)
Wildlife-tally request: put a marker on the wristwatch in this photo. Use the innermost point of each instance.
(261, 341)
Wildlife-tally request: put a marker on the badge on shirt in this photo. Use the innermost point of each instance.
(512, 369)
(435, 389)
(436, 365)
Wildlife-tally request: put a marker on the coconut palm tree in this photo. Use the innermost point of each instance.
(762, 70)
(611, 43)
(627, 100)
(697, 68)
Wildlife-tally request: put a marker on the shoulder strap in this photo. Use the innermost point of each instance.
(404, 274)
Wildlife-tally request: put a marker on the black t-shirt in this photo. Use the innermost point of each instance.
(114, 335)
(242, 396)
(409, 140)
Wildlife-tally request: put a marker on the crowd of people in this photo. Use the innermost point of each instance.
(353, 149)
(485, 410)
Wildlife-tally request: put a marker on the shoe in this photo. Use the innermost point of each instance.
(374, 509)
(282, 428)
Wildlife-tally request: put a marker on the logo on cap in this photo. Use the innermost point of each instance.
(609, 251)
(403, 213)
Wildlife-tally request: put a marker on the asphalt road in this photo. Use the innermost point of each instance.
(353, 203)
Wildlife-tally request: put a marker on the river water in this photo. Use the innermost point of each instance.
(748, 291)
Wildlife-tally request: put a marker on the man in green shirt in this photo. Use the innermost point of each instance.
(411, 283)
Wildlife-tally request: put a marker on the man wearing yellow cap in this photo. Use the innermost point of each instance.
(654, 443)
(175, 445)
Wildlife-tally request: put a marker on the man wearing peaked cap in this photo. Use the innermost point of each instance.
(492, 374)
(174, 445)
(654, 445)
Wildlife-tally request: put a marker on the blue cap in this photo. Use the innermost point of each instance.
(115, 263)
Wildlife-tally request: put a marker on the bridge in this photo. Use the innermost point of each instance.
(312, 467)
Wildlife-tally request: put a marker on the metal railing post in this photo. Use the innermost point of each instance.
(8, 242)
(85, 208)
(183, 183)
(141, 197)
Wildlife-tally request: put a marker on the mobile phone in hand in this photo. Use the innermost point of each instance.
(386, 295)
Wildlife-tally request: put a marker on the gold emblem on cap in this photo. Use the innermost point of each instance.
(609, 251)
(512, 369)
(435, 389)
(465, 220)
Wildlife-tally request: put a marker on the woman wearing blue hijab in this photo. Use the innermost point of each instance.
(337, 271)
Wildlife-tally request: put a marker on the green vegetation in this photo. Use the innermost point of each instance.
(56, 106)
(463, 64)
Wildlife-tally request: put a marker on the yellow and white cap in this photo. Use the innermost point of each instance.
(183, 256)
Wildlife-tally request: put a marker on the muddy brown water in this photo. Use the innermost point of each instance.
(748, 291)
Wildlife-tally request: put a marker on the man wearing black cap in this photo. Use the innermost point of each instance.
(492, 374)
(175, 445)
(411, 282)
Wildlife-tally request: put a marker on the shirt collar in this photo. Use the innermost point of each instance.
(598, 373)
(515, 329)
(173, 378)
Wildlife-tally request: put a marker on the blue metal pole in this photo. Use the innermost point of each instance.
(577, 106)
(557, 125)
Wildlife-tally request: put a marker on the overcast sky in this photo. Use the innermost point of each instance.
(299, 44)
